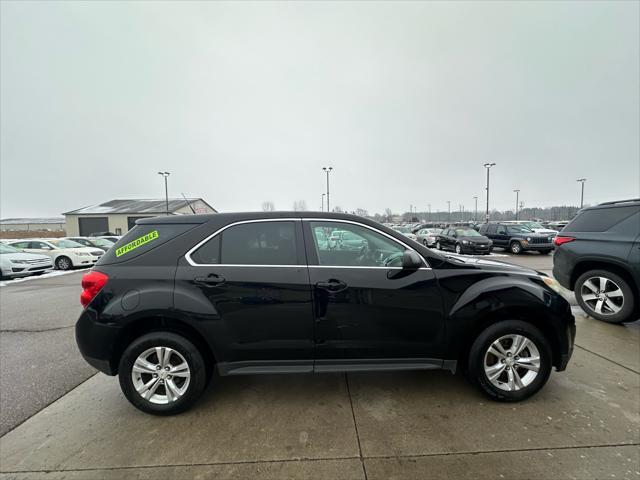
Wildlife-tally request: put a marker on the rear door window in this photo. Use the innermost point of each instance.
(259, 243)
(600, 219)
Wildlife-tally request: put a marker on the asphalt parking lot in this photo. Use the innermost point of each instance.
(584, 424)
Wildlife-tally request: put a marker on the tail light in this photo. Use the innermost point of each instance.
(92, 283)
(560, 240)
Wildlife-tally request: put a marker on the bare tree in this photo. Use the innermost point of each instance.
(388, 214)
(268, 206)
(299, 206)
(337, 209)
(362, 212)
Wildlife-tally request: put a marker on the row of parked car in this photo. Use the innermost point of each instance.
(516, 237)
(35, 256)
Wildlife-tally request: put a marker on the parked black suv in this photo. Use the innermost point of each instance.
(517, 238)
(598, 256)
(256, 293)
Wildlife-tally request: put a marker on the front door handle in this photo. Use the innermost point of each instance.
(211, 280)
(332, 285)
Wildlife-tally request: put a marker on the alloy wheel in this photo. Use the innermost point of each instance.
(64, 263)
(602, 295)
(161, 375)
(512, 362)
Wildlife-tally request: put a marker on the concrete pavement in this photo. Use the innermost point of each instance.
(39, 359)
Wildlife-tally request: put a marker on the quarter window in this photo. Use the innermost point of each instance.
(354, 246)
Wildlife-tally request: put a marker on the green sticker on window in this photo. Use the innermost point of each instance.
(138, 242)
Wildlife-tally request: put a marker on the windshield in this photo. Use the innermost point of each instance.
(66, 244)
(518, 229)
(102, 242)
(402, 229)
(8, 249)
(533, 225)
(467, 232)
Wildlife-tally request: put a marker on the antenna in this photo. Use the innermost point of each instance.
(188, 203)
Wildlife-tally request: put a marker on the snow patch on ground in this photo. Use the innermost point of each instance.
(54, 273)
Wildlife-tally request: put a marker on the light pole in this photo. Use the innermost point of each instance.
(449, 208)
(475, 213)
(488, 167)
(322, 204)
(328, 171)
(517, 192)
(581, 180)
(429, 213)
(166, 191)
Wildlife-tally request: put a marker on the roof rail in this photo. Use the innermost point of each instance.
(620, 201)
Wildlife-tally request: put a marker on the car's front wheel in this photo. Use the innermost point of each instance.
(63, 263)
(516, 248)
(458, 249)
(162, 373)
(438, 245)
(510, 360)
(605, 296)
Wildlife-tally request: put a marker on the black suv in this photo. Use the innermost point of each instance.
(598, 256)
(517, 238)
(181, 296)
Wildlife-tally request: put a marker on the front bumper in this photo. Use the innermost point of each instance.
(566, 356)
(477, 249)
(21, 270)
(537, 246)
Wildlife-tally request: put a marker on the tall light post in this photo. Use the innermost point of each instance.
(581, 180)
(322, 204)
(327, 171)
(488, 167)
(166, 191)
(449, 208)
(429, 213)
(475, 213)
(517, 192)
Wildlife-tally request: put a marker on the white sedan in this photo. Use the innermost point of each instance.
(15, 263)
(65, 254)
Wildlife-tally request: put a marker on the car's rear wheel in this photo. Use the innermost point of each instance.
(458, 249)
(605, 296)
(510, 360)
(63, 263)
(515, 248)
(162, 373)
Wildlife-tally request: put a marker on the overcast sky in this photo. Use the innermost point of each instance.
(246, 102)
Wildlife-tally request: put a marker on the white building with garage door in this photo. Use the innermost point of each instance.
(119, 216)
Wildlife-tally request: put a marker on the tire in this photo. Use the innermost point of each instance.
(162, 401)
(458, 249)
(438, 245)
(531, 381)
(624, 300)
(64, 263)
(425, 243)
(515, 248)
(545, 252)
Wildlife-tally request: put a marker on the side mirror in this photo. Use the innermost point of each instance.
(411, 260)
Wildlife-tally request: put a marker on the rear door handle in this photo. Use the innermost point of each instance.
(211, 280)
(332, 285)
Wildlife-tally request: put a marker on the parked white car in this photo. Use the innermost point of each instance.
(406, 231)
(15, 263)
(428, 236)
(533, 226)
(65, 254)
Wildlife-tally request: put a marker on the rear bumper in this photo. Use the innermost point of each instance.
(96, 342)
